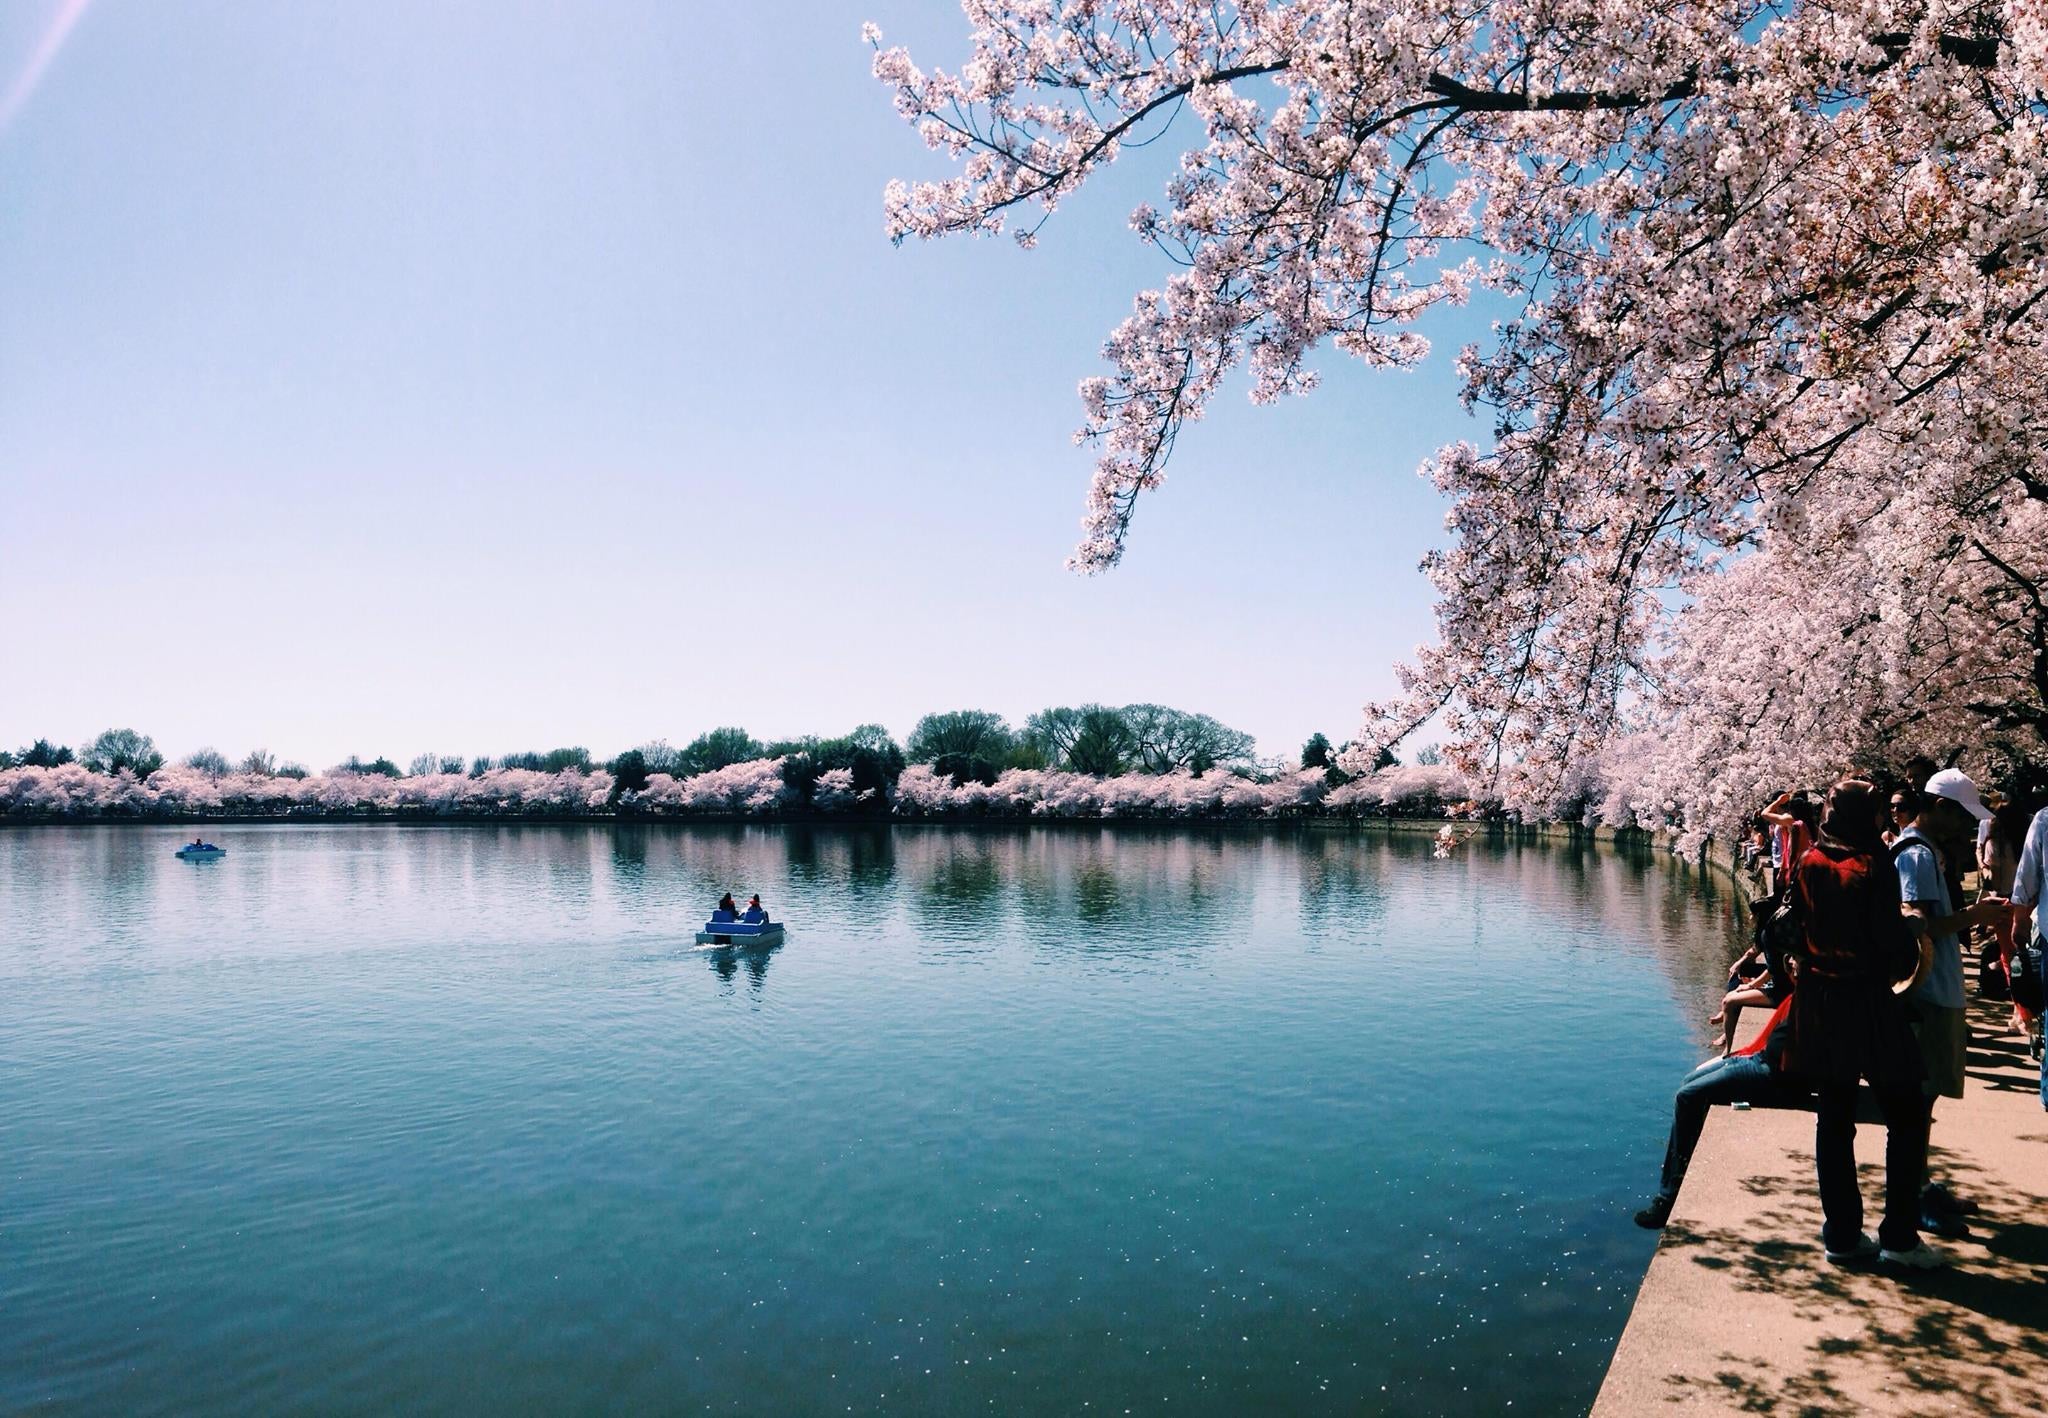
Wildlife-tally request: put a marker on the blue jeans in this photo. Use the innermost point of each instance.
(1731, 1080)
(2044, 1052)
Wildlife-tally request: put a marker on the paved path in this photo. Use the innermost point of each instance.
(1739, 1313)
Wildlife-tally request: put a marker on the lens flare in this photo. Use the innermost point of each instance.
(24, 85)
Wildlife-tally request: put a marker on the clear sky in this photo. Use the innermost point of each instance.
(378, 377)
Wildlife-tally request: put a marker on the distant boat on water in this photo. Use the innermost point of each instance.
(201, 852)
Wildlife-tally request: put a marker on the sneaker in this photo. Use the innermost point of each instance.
(1945, 1224)
(1865, 1249)
(1921, 1257)
(1653, 1216)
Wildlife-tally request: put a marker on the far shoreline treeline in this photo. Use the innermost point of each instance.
(1135, 762)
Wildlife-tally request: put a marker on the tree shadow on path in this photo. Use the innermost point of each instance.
(1825, 1340)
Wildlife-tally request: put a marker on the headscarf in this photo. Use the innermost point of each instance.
(1852, 816)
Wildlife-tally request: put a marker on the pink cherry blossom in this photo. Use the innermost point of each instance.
(1764, 486)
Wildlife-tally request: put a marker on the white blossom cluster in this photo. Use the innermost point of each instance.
(755, 786)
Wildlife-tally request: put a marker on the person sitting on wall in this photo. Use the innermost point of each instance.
(754, 913)
(1749, 963)
(1752, 1075)
(1748, 991)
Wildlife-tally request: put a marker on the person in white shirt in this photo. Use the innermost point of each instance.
(2026, 892)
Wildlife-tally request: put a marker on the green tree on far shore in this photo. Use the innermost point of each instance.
(555, 760)
(721, 748)
(868, 751)
(629, 773)
(1153, 738)
(212, 762)
(964, 744)
(1165, 740)
(1102, 742)
(119, 749)
(660, 757)
(40, 754)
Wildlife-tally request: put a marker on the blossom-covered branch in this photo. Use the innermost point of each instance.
(1774, 274)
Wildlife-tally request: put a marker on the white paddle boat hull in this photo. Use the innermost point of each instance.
(739, 936)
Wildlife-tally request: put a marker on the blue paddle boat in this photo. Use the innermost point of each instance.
(201, 852)
(724, 931)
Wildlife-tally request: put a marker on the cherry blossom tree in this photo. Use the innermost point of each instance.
(1929, 634)
(834, 791)
(1056, 793)
(753, 786)
(1771, 278)
(756, 788)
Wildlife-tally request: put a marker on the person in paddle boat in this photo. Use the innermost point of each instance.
(754, 913)
(728, 910)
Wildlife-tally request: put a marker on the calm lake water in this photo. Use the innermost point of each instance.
(365, 1119)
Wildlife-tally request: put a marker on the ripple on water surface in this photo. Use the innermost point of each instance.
(368, 1118)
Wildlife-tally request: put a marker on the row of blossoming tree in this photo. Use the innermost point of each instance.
(1139, 761)
(1768, 395)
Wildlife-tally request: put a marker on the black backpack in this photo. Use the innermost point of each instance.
(1780, 934)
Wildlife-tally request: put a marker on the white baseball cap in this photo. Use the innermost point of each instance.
(1955, 785)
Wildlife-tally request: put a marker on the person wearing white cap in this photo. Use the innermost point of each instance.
(1943, 832)
(1954, 785)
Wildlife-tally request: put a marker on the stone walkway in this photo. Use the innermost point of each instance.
(1739, 1312)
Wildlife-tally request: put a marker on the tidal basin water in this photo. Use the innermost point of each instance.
(377, 1118)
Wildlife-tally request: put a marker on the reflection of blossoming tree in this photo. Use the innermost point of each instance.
(1778, 274)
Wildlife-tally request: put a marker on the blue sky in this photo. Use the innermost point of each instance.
(382, 377)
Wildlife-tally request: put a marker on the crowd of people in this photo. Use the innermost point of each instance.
(1859, 953)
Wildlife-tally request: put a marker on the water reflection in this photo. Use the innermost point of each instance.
(957, 888)
(728, 960)
(857, 862)
(1214, 1121)
(1340, 886)
(1091, 893)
